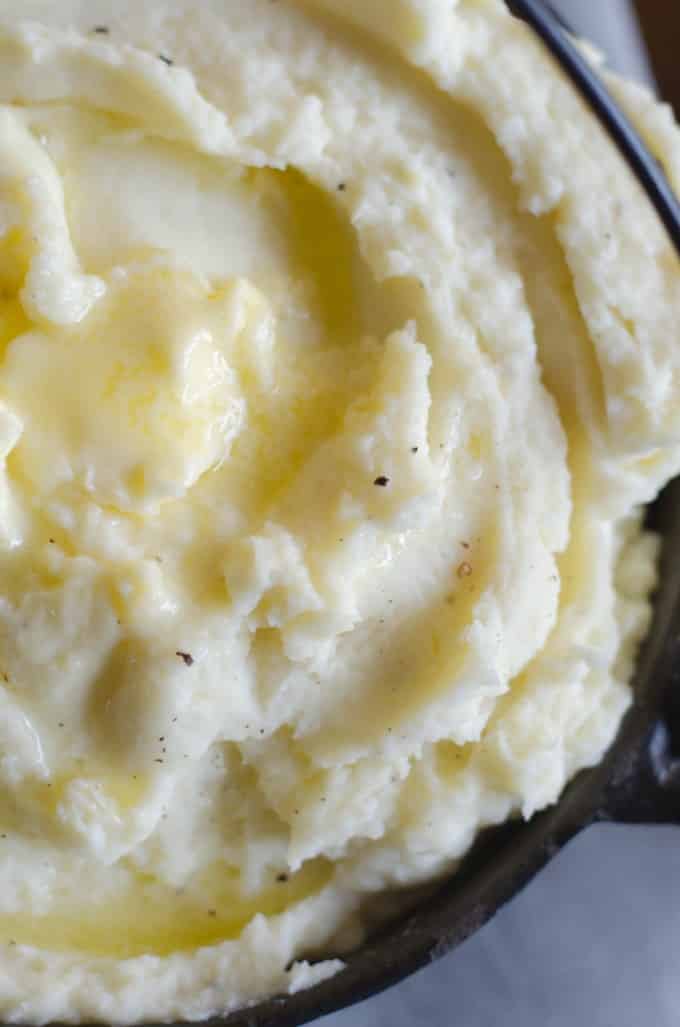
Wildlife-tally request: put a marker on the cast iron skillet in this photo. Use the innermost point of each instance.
(639, 779)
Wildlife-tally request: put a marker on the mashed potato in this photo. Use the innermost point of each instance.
(339, 353)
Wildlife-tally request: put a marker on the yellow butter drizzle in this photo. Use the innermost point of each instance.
(153, 918)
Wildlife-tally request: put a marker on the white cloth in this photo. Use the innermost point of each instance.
(612, 25)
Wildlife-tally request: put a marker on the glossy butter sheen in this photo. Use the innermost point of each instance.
(338, 355)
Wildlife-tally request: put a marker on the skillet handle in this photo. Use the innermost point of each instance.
(647, 788)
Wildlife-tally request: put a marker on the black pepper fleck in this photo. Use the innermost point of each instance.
(282, 878)
(158, 760)
(414, 449)
(187, 657)
(382, 481)
(101, 30)
(166, 60)
(212, 912)
(51, 541)
(342, 186)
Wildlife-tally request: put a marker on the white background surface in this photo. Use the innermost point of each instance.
(594, 941)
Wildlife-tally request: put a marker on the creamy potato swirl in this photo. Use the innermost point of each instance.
(338, 353)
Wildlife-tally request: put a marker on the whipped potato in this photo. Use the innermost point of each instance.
(338, 356)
